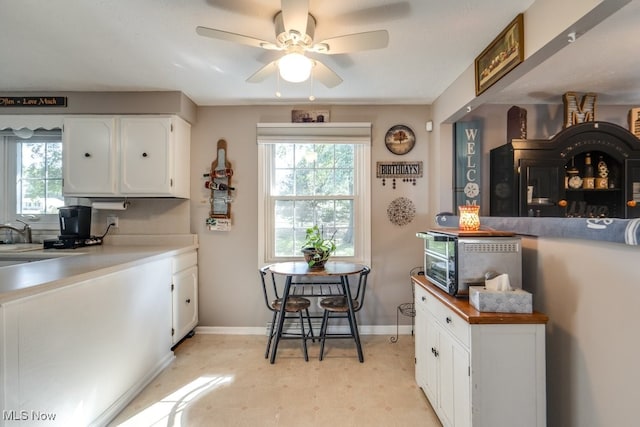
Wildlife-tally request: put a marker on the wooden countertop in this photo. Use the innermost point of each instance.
(464, 309)
(477, 233)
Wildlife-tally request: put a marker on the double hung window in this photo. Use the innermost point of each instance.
(32, 178)
(314, 175)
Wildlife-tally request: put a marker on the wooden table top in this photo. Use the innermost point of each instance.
(331, 268)
(464, 309)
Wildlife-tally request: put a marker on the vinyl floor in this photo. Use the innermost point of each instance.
(224, 380)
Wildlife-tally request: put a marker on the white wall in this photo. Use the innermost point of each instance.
(230, 295)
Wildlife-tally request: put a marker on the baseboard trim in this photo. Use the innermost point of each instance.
(260, 330)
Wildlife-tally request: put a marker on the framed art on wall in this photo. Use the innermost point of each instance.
(501, 56)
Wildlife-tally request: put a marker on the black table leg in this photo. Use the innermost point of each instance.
(285, 296)
(352, 315)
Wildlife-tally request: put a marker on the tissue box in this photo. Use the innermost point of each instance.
(515, 301)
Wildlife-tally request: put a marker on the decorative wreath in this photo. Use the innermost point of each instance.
(401, 211)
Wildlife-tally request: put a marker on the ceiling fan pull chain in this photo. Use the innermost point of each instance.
(278, 94)
(311, 96)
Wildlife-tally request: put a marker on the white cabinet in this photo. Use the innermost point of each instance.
(443, 362)
(90, 156)
(80, 353)
(136, 156)
(185, 295)
(479, 369)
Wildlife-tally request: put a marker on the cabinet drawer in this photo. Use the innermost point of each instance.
(422, 296)
(182, 261)
(450, 321)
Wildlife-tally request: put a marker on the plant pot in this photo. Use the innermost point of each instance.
(315, 259)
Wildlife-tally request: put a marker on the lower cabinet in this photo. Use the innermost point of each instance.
(78, 354)
(479, 374)
(184, 290)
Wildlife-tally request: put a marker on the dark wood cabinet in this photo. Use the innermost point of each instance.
(532, 177)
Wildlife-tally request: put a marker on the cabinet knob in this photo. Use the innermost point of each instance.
(188, 300)
(87, 154)
(448, 319)
(632, 203)
(424, 298)
(145, 155)
(562, 203)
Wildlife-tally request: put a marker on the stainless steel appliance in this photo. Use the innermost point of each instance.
(455, 260)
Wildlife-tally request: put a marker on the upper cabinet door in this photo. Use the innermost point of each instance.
(89, 156)
(145, 158)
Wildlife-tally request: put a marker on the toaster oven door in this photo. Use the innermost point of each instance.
(441, 272)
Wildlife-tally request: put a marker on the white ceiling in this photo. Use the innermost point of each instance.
(151, 45)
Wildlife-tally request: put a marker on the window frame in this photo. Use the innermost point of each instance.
(357, 134)
(8, 162)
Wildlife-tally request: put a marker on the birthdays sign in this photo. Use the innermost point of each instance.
(468, 146)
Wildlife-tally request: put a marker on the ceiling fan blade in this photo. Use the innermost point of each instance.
(353, 42)
(295, 14)
(264, 72)
(325, 75)
(237, 38)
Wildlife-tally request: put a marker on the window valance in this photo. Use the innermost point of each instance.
(314, 133)
(32, 122)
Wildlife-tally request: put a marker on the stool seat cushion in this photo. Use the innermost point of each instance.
(294, 304)
(338, 304)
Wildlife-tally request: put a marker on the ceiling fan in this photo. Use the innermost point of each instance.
(294, 29)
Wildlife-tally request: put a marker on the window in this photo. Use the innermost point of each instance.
(314, 174)
(33, 177)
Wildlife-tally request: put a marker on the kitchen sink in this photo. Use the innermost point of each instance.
(19, 247)
(20, 253)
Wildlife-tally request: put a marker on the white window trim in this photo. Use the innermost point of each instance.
(316, 133)
(32, 122)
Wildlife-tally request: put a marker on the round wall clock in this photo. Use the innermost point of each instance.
(400, 139)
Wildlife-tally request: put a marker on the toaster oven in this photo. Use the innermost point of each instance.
(455, 260)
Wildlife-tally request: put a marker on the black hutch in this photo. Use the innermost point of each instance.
(533, 177)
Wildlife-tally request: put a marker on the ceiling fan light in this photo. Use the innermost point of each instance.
(295, 67)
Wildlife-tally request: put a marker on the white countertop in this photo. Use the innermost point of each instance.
(74, 265)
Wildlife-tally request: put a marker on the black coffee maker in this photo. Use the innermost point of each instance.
(75, 222)
(75, 229)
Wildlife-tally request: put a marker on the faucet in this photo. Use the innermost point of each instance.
(25, 232)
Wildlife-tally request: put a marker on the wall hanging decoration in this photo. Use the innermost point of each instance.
(407, 171)
(33, 101)
(468, 146)
(219, 183)
(400, 139)
(401, 211)
(504, 54)
(579, 112)
(309, 116)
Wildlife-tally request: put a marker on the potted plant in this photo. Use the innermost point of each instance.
(316, 248)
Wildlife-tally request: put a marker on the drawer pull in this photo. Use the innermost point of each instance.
(448, 319)
(434, 351)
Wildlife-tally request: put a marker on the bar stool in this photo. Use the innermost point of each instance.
(297, 305)
(337, 307)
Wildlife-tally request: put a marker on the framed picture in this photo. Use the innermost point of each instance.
(309, 116)
(501, 56)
